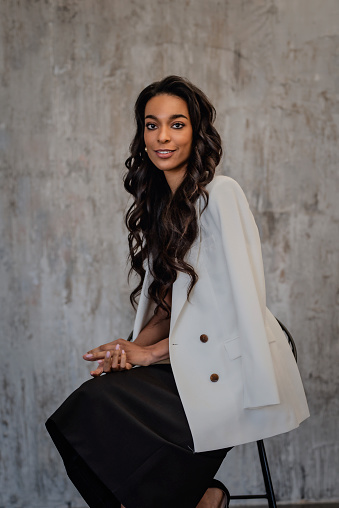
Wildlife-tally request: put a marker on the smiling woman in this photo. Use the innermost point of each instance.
(214, 369)
(162, 221)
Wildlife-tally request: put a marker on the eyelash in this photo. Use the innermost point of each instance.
(150, 126)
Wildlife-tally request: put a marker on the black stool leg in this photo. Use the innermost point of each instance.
(266, 475)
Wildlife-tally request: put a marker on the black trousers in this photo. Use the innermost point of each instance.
(124, 438)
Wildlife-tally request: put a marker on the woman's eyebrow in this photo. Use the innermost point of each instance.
(172, 117)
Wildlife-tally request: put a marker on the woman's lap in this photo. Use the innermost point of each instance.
(129, 428)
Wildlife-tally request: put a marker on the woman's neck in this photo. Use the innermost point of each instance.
(174, 178)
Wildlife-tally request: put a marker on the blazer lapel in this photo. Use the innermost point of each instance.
(180, 286)
(179, 297)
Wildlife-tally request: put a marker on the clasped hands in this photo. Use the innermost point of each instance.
(117, 355)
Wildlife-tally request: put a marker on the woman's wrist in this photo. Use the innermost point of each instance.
(158, 351)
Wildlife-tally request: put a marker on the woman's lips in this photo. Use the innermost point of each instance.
(164, 154)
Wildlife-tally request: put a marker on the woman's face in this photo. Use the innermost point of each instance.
(168, 136)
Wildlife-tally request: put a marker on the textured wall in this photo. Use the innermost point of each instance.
(70, 71)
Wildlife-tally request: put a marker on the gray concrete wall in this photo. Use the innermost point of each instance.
(70, 72)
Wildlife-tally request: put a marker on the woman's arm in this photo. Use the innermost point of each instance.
(158, 326)
(241, 245)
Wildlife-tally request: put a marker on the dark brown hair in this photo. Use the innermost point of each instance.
(162, 226)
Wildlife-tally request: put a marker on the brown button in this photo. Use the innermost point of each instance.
(203, 338)
(214, 378)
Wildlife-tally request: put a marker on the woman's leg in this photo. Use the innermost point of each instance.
(213, 498)
(94, 492)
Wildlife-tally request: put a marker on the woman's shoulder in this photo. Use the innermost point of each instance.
(224, 187)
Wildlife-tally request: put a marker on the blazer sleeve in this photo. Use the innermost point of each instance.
(242, 249)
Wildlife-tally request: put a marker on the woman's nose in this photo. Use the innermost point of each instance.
(163, 135)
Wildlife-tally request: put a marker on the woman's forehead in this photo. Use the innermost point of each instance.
(163, 106)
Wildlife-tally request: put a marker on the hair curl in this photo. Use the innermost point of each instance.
(162, 226)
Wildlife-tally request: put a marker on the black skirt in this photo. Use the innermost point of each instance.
(124, 438)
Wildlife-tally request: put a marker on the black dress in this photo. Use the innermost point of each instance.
(124, 438)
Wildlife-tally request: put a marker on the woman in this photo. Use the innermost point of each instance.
(154, 436)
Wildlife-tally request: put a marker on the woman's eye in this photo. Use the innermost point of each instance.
(178, 125)
(151, 126)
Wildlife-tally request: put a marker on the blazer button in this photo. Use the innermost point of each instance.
(214, 378)
(203, 338)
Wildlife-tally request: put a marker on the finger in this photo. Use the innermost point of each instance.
(92, 352)
(97, 372)
(102, 349)
(123, 360)
(93, 357)
(107, 363)
(116, 358)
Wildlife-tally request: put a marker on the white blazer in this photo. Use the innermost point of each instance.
(236, 375)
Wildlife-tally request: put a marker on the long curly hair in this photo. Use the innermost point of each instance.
(163, 226)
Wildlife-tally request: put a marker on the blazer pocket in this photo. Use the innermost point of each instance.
(232, 347)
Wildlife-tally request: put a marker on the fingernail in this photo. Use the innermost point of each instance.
(100, 361)
(89, 355)
(123, 352)
(108, 354)
(117, 347)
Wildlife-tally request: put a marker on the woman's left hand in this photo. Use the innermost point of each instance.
(112, 362)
